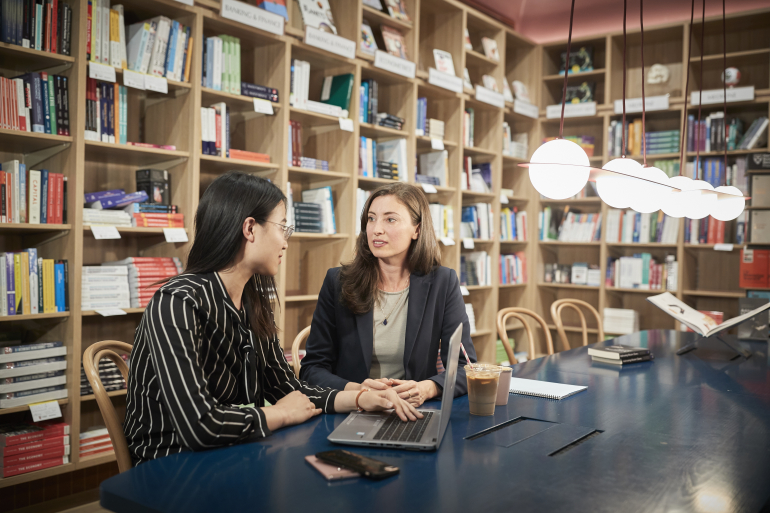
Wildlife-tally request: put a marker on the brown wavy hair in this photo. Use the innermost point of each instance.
(360, 277)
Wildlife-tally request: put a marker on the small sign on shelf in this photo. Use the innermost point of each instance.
(445, 80)
(105, 232)
(263, 106)
(133, 79)
(436, 144)
(397, 65)
(45, 410)
(346, 124)
(101, 72)
(464, 290)
(252, 16)
(157, 84)
(110, 312)
(468, 243)
(446, 241)
(429, 188)
(175, 234)
(330, 42)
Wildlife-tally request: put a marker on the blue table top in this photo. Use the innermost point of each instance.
(685, 433)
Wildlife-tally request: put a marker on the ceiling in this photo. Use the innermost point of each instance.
(548, 20)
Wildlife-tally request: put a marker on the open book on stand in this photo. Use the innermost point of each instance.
(695, 320)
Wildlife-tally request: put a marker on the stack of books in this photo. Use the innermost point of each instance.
(296, 158)
(35, 102)
(34, 196)
(513, 268)
(26, 447)
(433, 168)
(515, 145)
(93, 217)
(215, 130)
(620, 321)
(31, 285)
(158, 46)
(222, 64)
(477, 221)
(566, 226)
(109, 374)
(300, 87)
(104, 287)
(513, 224)
(95, 440)
(390, 121)
(475, 268)
(443, 220)
(370, 166)
(143, 273)
(663, 141)
(557, 273)
(31, 373)
(106, 112)
(640, 271)
(620, 355)
(391, 159)
(308, 217)
(587, 142)
(428, 126)
(471, 316)
(710, 134)
(38, 26)
(629, 226)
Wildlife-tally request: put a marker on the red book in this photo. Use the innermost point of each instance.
(13, 103)
(19, 434)
(88, 32)
(54, 25)
(754, 268)
(60, 198)
(92, 443)
(99, 450)
(711, 236)
(218, 141)
(153, 215)
(29, 457)
(142, 260)
(50, 200)
(48, 10)
(53, 428)
(153, 267)
(720, 232)
(23, 468)
(159, 224)
(38, 445)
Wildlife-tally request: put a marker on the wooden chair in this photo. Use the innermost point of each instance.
(301, 337)
(91, 358)
(559, 305)
(520, 313)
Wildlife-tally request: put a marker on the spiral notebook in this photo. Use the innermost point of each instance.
(543, 388)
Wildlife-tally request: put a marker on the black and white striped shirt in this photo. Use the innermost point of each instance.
(194, 359)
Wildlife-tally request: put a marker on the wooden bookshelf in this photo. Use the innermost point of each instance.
(175, 119)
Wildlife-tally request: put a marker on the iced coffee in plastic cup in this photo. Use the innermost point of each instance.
(482, 379)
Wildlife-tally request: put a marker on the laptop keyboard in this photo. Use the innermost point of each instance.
(396, 430)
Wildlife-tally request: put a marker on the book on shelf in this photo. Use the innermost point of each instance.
(515, 145)
(274, 6)
(368, 43)
(620, 321)
(569, 226)
(321, 196)
(641, 271)
(158, 46)
(109, 375)
(307, 217)
(663, 141)
(222, 66)
(31, 285)
(754, 269)
(468, 124)
(397, 9)
(368, 100)
(627, 226)
(697, 321)
(317, 14)
(296, 157)
(467, 39)
(435, 164)
(709, 134)
(477, 221)
(587, 142)
(490, 83)
(507, 93)
(467, 79)
(35, 102)
(760, 227)
(393, 152)
(95, 440)
(22, 398)
(443, 220)
(707, 231)
(259, 91)
(490, 48)
(45, 445)
(300, 83)
(215, 130)
(106, 112)
(444, 62)
(337, 90)
(32, 367)
(395, 44)
(580, 60)
(513, 268)
(475, 268)
(513, 224)
(44, 26)
(134, 281)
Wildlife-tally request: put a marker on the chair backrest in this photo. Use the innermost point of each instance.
(301, 337)
(520, 313)
(556, 310)
(91, 358)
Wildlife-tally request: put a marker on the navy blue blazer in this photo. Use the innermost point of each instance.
(339, 348)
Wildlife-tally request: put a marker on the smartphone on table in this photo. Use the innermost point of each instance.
(329, 471)
(367, 467)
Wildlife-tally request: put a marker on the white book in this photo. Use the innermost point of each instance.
(96, 305)
(105, 17)
(21, 104)
(322, 196)
(218, 63)
(122, 37)
(111, 270)
(148, 47)
(179, 58)
(33, 355)
(35, 398)
(116, 55)
(32, 369)
(138, 33)
(644, 234)
(221, 109)
(34, 196)
(33, 384)
(158, 59)
(118, 284)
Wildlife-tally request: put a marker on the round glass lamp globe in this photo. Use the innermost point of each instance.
(649, 192)
(728, 208)
(697, 203)
(559, 169)
(617, 189)
(673, 206)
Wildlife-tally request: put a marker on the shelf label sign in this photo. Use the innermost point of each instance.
(346, 124)
(445, 80)
(428, 188)
(525, 109)
(503, 199)
(468, 244)
(133, 79)
(252, 16)
(571, 110)
(446, 241)
(489, 96)
(436, 143)
(734, 94)
(101, 72)
(723, 247)
(397, 65)
(263, 106)
(105, 232)
(110, 312)
(157, 84)
(464, 290)
(45, 410)
(175, 234)
(186, 2)
(330, 42)
(635, 104)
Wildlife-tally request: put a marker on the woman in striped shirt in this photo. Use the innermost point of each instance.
(206, 353)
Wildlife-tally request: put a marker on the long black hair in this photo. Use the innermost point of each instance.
(228, 201)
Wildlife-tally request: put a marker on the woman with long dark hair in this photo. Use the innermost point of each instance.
(206, 354)
(384, 319)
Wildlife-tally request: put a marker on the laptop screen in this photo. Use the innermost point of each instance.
(450, 380)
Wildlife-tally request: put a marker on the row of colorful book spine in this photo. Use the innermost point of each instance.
(31, 284)
(32, 196)
(44, 25)
(35, 102)
(34, 446)
(106, 112)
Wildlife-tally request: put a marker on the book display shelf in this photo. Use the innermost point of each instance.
(748, 46)
(175, 121)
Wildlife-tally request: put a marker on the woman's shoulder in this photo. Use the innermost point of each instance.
(439, 272)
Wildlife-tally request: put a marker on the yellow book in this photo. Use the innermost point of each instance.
(96, 24)
(187, 65)
(115, 53)
(49, 305)
(630, 140)
(637, 137)
(17, 279)
(25, 304)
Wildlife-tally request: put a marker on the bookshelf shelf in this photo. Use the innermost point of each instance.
(514, 242)
(136, 231)
(760, 52)
(478, 196)
(376, 131)
(474, 58)
(580, 201)
(19, 58)
(373, 15)
(424, 141)
(576, 77)
(174, 87)
(721, 153)
(96, 459)
(651, 245)
(34, 317)
(620, 290)
(563, 243)
(512, 285)
(224, 164)
(16, 141)
(483, 241)
(516, 199)
(18, 228)
(473, 288)
(696, 247)
(303, 298)
(714, 293)
(477, 151)
(25, 407)
(124, 154)
(514, 162)
(374, 182)
(300, 173)
(312, 118)
(129, 311)
(114, 393)
(38, 474)
(567, 286)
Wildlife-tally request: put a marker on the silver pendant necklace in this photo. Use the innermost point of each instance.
(385, 317)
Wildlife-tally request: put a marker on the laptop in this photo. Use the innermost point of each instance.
(385, 429)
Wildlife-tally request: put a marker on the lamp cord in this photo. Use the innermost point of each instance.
(683, 135)
(724, 86)
(566, 72)
(644, 130)
(697, 164)
(625, 148)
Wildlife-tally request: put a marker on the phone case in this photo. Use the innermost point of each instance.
(367, 467)
(330, 472)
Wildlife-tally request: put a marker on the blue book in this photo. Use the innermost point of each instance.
(10, 280)
(43, 196)
(365, 106)
(46, 106)
(210, 63)
(59, 287)
(30, 347)
(637, 227)
(275, 7)
(122, 200)
(171, 48)
(90, 197)
(374, 158)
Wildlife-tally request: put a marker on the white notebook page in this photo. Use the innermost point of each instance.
(543, 388)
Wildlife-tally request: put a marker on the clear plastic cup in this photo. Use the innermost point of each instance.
(483, 379)
(504, 386)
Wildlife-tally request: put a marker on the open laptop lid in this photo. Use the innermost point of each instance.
(450, 380)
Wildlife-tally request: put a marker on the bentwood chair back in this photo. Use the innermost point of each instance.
(520, 314)
(91, 358)
(301, 337)
(558, 306)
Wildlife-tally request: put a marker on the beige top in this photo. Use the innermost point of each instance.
(389, 339)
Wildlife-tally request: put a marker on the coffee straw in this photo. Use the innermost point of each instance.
(466, 356)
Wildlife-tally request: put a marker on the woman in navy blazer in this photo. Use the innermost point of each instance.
(396, 252)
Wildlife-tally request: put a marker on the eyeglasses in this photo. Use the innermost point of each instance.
(287, 230)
